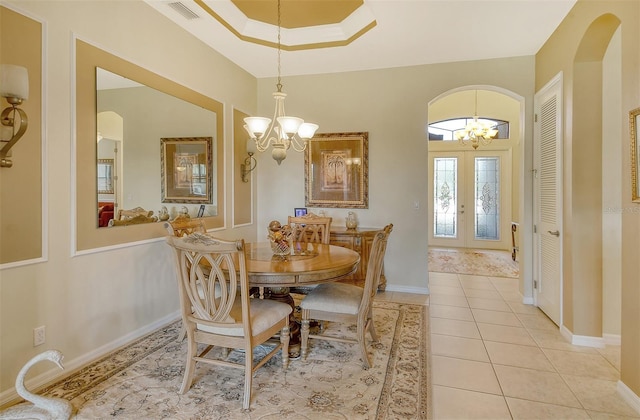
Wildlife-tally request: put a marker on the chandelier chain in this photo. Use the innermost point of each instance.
(279, 84)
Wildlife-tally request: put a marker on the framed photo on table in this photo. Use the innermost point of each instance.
(299, 211)
(337, 170)
(186, 170)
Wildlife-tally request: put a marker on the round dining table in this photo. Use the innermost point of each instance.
(308, 264)
(313, 264)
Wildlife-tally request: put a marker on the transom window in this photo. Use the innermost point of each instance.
(445, 130)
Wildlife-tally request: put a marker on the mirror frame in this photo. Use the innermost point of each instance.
(634, 126)
(88, 235)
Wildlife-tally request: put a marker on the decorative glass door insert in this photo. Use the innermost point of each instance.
(445, 218)
(487, 198)
(469, 204)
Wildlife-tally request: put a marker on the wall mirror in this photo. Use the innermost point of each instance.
(141, 109)
(105, 176)
(634, 126)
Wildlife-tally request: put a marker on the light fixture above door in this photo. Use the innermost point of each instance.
(477, 132)
(280, 132)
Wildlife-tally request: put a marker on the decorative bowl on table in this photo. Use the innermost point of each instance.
(279, 238)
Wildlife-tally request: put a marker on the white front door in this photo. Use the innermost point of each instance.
(469, 203)
(547, 137)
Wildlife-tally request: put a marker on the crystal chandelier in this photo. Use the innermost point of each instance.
(477, 132)
(282, 131)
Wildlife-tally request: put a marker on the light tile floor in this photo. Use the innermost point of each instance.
(492, 357)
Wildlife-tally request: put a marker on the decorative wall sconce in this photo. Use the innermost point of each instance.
(14, 86)
(250, 162)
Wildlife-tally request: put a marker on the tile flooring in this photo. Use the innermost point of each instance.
(493, 357)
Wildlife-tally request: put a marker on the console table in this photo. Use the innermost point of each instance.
(359, 240)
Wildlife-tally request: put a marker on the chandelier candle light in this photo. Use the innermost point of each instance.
(289, 131)
(476, 132)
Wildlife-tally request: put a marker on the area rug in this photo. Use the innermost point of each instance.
(141, 381)
(473, 261)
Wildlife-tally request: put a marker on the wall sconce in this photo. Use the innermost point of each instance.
(250, 162)
(14, 86)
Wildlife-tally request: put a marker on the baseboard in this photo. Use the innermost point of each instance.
(528, 300)
(612, 339)
(582, 340)
(407, 289)
(629, 396)
(71, 366)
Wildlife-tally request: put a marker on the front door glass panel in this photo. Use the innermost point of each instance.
(487, 198)
(445, 197)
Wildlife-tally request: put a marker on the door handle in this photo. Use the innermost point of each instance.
(554, 233)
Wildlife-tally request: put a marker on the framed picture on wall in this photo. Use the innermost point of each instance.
(186, 170)
(337, 170)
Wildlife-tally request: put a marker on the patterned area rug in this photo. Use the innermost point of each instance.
(473, 261)
(141, 381)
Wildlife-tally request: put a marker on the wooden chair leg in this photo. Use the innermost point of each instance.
(248, 376)
(190, 367)
(372, 328)
(304, 334)
(183, 333)
(362, 343)
(284, 340)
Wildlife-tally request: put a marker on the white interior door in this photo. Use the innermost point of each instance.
(548, 199)
(469, 206)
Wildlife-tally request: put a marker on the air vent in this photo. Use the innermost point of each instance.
(184, 10)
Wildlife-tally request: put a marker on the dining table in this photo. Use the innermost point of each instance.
(307, 264)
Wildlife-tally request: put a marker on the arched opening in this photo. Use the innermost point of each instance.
(593, 236)
(492, 103)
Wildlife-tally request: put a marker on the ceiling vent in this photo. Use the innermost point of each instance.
(184, 10)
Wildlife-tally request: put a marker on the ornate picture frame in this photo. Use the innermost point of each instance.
(337, 170)
(186, 170)
(634, 126)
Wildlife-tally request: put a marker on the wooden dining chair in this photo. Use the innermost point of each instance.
(311, 228)
(214, 314)
(346, 303)
(183, 226)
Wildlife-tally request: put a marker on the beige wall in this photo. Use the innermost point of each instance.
(93, 302)
(21, 186)
(577, 48)
(392, 106)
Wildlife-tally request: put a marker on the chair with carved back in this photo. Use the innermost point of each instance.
(346, 303)
(215, 315)
(309, 229)
(131, 213)
(184, 226)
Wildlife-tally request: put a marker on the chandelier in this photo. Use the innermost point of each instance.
(477, 132)
(280, 132)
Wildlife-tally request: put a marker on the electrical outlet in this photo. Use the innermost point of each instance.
(38, 336)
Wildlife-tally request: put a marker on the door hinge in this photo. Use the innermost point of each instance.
(535, 284)
(535, 117)
(535, 229)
